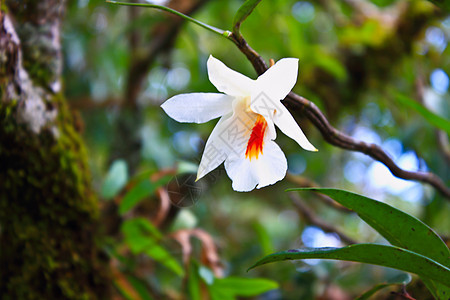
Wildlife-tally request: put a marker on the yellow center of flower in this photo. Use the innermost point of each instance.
(256, 141)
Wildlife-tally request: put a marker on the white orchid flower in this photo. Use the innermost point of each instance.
(244, 136)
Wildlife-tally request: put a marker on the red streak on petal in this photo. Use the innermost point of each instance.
(256, 141)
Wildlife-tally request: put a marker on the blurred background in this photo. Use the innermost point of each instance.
(362, 62)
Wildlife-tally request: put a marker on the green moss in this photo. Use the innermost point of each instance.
(48, 213)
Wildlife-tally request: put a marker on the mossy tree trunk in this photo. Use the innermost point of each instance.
(48, 212)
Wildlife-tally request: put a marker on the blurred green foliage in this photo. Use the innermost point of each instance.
(356, 58)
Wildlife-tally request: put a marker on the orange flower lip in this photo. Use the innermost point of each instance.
(256, 141)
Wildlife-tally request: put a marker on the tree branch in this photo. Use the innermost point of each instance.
(306, 182)
(341, 140)
(334, 136)
(309, 216)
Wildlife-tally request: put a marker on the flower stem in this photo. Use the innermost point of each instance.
(218, 31)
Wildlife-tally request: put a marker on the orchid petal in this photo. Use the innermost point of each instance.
(287, 124)
(271, 132)
(216, 149)
(277, 81)
(197, 107)
(240, 127)
(268, 168)
(227, 80)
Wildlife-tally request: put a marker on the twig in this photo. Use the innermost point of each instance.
(306, 182)
(444, 144)
(164, 207)
(312, 219)
(209, 253)
(404, 294)
(334, 136)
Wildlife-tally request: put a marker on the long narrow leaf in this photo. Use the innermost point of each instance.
(140, 288)
(382, 255)
(431, 117)
(142, 237)
(141, 190)
(264, 239)
(240, 286)
(399, 228)
(243, 12)
(193, 283)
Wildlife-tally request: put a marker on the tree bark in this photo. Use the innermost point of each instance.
(48, 211)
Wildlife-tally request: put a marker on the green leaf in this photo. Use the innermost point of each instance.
(217, 294)
(115, 180)
(431, 117)
(330, 64)
(439, 291)
(263, 238)
(194, 282)
(138, 233)
(402, 279)
(141, 190)
(142, 237)
(162, 256)
(399, 228)
(231, 287)
(243, 12)
(140, 288)
(382, 255)
(245, 287)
